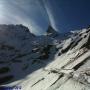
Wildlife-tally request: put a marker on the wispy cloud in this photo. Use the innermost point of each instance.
(26, 12)
(50, 13)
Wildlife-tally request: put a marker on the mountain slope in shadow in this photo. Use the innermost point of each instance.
(21, 52)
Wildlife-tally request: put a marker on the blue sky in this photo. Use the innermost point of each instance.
(72, 14)
(63, 15)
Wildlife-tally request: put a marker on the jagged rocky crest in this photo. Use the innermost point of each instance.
(51, 32)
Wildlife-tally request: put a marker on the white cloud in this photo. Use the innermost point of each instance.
(26, 12)
(50, 13)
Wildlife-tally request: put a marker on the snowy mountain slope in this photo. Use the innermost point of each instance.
(51, 66)
(21, 52)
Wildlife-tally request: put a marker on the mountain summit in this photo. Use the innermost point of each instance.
(51, 32)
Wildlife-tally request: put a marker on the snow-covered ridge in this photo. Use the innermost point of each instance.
(41, 63)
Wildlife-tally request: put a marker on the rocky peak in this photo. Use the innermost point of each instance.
(51, 32)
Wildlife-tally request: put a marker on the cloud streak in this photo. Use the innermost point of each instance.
(49, 10)
(26, 12)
